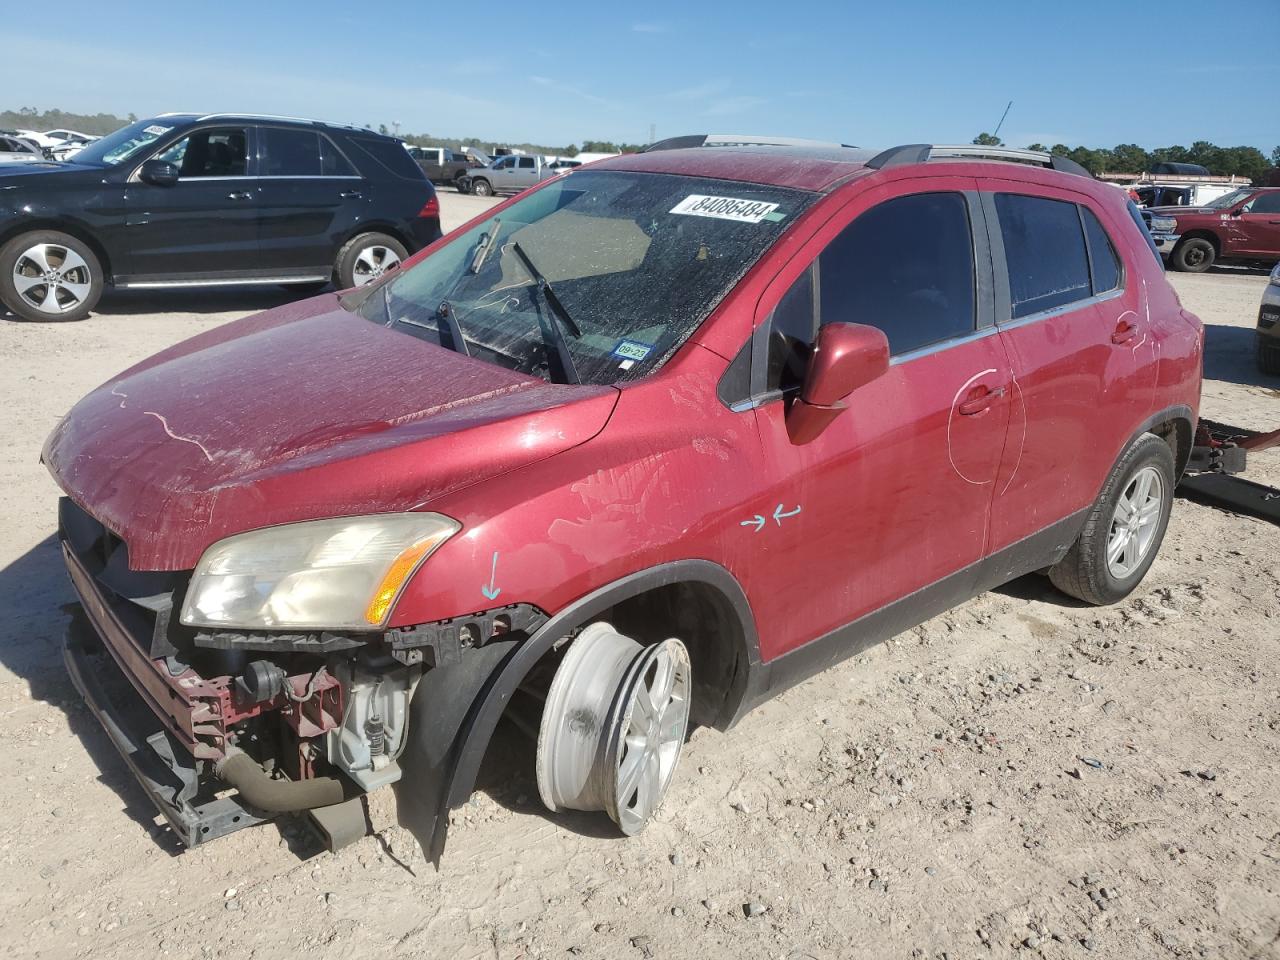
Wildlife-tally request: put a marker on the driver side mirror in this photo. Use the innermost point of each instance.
(845, 356)
(160, 173)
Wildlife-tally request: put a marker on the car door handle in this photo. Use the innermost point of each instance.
(979, 403)
(1273, 221)
(1125, 332)
(351, 194)
(240, 195)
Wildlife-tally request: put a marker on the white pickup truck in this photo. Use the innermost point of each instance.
(509, 174)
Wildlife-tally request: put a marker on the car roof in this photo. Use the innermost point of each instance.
(817, 169)
(274, 120)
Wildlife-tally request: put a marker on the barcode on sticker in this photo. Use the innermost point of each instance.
(724, 208)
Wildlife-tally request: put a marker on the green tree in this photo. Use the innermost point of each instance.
(1130, 158)
(1039, 148)
(988, 140)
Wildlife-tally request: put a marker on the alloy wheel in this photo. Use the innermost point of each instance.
(372, 262)
(52, 278)
(1135, 522)
(613, 726)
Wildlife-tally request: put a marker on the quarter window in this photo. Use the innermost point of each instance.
(1105, 265)
(791, 332)
(906, 267)
(1045, 252)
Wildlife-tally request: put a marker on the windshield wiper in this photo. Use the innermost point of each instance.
(449, 317)
(484, 246)
(558, 316)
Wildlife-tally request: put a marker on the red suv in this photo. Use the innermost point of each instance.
(1243, 225)
(637, 449)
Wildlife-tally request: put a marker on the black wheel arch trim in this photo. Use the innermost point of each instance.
(457, 708)
(1178, 413)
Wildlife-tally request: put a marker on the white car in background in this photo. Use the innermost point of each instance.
(41, 140)
(17, 150)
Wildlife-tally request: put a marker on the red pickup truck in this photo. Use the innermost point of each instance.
(1243, 225)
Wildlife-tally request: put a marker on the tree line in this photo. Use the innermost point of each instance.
(1247, 162)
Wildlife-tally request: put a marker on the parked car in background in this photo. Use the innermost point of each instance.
(1241, 226)
(69, 136)
(442, 165)
(1197, 194)
(191, 200)
(509, 174)
(635, 450)
(40, 140)
(1268, 342)
(14, 149)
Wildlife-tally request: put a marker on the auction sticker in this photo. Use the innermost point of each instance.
(156, 130)
(724, 208)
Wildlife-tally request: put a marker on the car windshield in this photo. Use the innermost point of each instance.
(126, 143)
(1228, 199)
(615, 268)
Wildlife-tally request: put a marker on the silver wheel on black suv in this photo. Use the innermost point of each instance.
(49, 276)
(367, 258)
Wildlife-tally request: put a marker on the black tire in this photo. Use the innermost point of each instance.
(348, 272)
(85, 278)
(481, 187)
(1268, 354)
(1193, 256)
(460, 183)
(1084, 572)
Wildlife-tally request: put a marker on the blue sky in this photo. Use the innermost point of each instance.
(560, 71)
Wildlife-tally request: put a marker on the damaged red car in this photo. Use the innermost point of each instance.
(630, 453)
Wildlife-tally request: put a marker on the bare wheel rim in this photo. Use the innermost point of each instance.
(52, 278)
(1135, 522)
(650, 734)
(372, 262)
(613, 726)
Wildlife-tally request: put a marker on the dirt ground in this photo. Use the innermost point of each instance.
(1022, 774)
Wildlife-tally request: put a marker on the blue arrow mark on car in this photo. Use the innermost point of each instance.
(757, 521)
(491, 590)
(779, 516)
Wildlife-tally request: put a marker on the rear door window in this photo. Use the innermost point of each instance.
(1103, 261)
(906, 267)
(1045, 251)
(290, 153)
(526, 163)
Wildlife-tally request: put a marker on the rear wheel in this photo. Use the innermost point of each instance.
(366, 258)
(1193, 256)
(49, 276)
(1268, 355)
(481, 188)
(613, 726)
(1124, 530)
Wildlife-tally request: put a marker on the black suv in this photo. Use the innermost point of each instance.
(188, 200)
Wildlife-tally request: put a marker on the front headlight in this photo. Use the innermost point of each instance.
(341, 574)
(1163, 224)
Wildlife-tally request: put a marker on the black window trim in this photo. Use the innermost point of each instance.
(985, 304)
(1004, 306)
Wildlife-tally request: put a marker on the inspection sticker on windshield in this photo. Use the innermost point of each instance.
(724, 208)
(630, 352)
(156, 130)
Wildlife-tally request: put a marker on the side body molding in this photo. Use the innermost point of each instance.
(456, 708)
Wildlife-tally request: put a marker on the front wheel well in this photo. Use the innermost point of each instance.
(702, 618)
(70, 229)
(389, 229)
(1202, 235)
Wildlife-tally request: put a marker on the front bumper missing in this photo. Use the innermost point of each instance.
(163, 767)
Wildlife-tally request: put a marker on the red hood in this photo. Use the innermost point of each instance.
(296, 414)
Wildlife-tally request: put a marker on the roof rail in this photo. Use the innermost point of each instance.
(735, 140)
(267, 116)
(922, 152)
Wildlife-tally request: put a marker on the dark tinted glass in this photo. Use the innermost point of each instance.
(209, 153)
(906, 267)
(526, 162)
(387, 156)
(290, 153)
(1266, 203)
(1102, 254)
(332, 162)
(1044, 248)
(791, 334)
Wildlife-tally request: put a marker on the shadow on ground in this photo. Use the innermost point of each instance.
(1229, 357)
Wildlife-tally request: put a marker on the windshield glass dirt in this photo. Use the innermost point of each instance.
(125, 143)
(613, 269)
